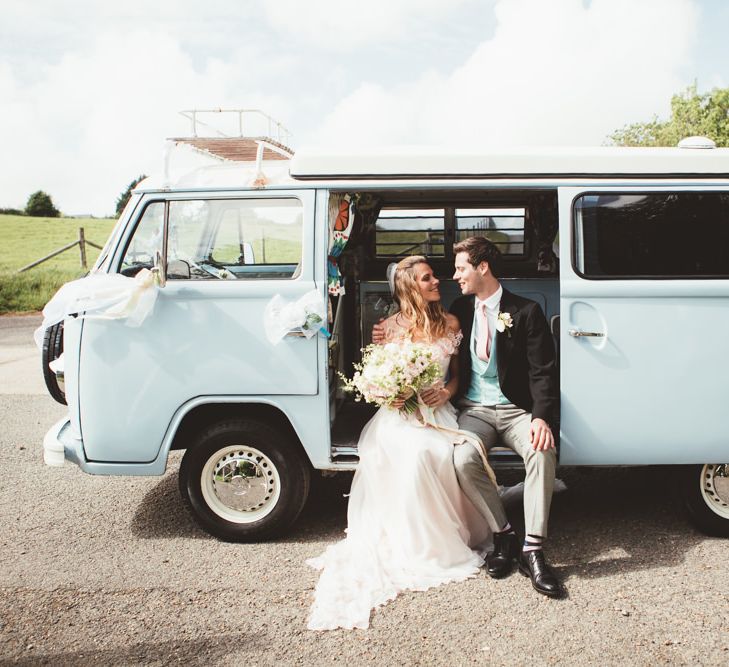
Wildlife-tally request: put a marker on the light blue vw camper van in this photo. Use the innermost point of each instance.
(626, 250)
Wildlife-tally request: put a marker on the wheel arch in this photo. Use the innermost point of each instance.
(201, 412)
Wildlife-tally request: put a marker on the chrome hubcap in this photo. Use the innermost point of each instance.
(715, 487)
(240, 484)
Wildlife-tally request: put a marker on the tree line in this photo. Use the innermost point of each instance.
(40, 204)
(692, 114)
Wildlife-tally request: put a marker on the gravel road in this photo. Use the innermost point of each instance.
(112, 571)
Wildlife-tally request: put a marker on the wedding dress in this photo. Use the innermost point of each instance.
(410, 527)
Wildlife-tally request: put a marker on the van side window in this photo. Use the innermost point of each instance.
(234, 239)
(146, 241)
(652, 235)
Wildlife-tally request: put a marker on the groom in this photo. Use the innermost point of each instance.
(507, 394)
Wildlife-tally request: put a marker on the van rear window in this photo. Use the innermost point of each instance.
(504, 227)
(400, 232)
(652, 235)
(407, 231)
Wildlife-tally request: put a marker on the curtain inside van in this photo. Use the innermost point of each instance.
(341, 216)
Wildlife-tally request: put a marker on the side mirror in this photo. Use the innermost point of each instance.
(179, 269)
(160, 269)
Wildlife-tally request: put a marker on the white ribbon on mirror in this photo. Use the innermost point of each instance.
(102, 296)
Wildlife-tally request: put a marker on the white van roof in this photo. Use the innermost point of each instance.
(425, 162)
(429, 163)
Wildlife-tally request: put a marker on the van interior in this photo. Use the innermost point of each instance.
(391, 224)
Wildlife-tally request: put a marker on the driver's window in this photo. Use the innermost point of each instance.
(234, 239)
(146, 241)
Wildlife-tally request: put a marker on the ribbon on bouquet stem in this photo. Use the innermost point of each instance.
(428, 415)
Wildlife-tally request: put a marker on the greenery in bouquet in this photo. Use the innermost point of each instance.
(392, 370)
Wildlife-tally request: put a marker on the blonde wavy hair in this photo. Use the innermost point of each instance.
(426, 318)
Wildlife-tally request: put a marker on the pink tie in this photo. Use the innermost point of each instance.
(483, 343)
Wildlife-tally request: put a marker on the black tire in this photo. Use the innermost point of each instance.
(52, 349)
(705, 494)
(274, 465)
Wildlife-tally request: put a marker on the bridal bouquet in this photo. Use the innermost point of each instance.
(388, 371)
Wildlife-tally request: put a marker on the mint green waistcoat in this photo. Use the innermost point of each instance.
(484, 388)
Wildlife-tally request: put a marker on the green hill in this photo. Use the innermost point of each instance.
(24, 239)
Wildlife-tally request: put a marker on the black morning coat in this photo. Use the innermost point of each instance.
(526, 363)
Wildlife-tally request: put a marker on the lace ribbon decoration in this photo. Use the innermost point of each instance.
(307, 315)
(102, 296)
(428, 415)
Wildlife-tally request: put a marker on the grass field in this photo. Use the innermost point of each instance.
(24, 239)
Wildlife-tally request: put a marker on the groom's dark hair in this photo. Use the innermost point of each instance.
(479, 250)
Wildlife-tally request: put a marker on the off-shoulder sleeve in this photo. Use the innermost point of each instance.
(453, 341)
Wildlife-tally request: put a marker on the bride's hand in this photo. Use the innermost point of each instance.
(435, 396)
(399, 401)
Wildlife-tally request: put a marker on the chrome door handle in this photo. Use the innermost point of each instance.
(577, 333)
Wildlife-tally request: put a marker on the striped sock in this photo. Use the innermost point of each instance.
(532, 543)
(506, 530)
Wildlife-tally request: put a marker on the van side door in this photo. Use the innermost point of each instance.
(644, 321)
(228, 254)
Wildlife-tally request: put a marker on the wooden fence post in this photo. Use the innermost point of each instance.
(81, 242)
(82, 247)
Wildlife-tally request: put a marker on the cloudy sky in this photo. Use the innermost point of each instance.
(90, 90)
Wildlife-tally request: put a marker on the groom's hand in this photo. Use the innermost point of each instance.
(378, 333)
(540, 435)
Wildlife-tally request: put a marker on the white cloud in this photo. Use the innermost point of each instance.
(562, 72)
(344, 25)
(92, 122)
(89, 90)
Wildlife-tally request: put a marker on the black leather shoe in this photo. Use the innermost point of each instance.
(500, 562)
(532, 564)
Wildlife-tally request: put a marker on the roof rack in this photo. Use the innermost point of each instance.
(259, 122)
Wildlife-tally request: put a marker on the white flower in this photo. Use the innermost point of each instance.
(393, 370)
(504, 322)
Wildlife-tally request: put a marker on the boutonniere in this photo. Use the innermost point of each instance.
(504, 322)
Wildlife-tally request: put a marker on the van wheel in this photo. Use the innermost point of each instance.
(705, 492)
(244, 480)
(52, 349)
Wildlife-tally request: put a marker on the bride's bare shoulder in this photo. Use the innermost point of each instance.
(394, 326)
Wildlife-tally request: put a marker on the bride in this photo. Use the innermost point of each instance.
(409, 525)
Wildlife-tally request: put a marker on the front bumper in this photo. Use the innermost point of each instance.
(60, 445)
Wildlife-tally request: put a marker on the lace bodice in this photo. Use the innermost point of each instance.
(445, 346)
